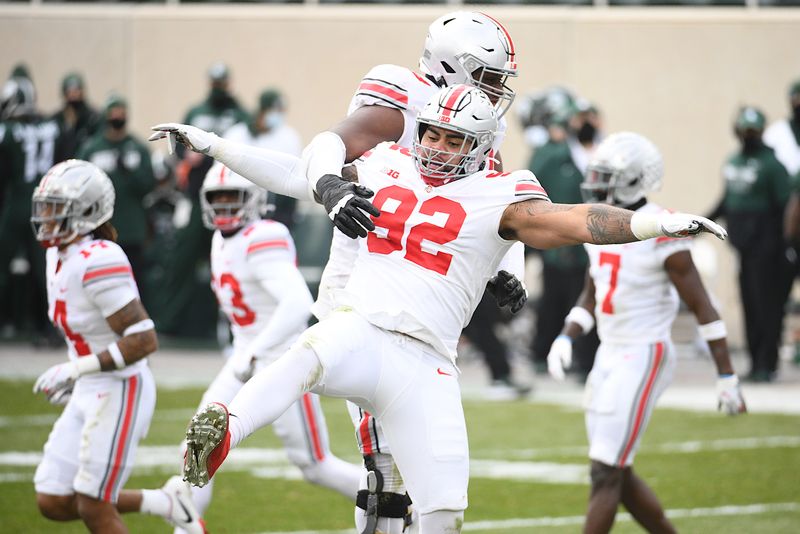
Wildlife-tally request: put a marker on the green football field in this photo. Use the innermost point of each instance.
(714, 474)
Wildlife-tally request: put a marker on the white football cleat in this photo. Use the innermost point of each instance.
(183, 513)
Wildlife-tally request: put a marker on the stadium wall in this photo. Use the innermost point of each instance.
(676, 75)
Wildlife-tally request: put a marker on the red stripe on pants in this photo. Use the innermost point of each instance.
(648, 389)
(123, 436)
(363, 430)
(308, 408)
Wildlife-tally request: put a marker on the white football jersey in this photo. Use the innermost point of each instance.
(87, 282)
(635, 300)
(239, 264)
(403, 89)
(424, 268)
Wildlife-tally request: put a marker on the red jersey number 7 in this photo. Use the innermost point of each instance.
(609, 258)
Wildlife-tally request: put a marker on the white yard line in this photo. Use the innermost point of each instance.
(680, 447)
(478, 526)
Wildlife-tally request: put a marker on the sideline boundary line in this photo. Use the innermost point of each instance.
(478, 526)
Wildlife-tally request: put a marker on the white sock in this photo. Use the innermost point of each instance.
(155, 502)
(271, 391)
(336, 474)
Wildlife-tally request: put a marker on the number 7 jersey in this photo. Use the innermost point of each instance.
(424, 268)
(635, 300)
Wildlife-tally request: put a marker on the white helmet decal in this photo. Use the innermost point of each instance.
(466, 112)
(250, 204)
(474, 49)
(624, 168)
(73, 198)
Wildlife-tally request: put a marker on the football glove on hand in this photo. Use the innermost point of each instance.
(559, 357)
(508, 290)
(61, 397)
(685, 224)
(347, 205)
(730, 400)
(191, 137)
(243, 366)
(61, 377)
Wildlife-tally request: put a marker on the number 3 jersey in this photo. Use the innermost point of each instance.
(245, 270)
(424, 268)
(635, 300)
(87, 282)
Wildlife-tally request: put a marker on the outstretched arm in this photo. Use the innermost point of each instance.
(543, 225)
(274, 171)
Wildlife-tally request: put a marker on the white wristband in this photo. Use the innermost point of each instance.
(713, 330)
(582, 317)
(646, 226)
(142, 326)
(325, 154)
(116, 355)
(88, 364)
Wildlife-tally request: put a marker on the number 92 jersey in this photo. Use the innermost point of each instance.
(424, 268)
(635, 300)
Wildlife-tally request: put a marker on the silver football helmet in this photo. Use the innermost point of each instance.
(246, 202)
(624, 168)
(474, 49)
(71, 200)
(459, 109)
(17, 98)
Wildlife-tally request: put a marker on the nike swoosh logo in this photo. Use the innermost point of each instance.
(439, 370)
(185, 511)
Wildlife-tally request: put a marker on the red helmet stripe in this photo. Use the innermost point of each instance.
(454, 96)
(222, 174)
(505, 32)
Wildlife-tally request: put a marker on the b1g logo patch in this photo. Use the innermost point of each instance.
(444, 118)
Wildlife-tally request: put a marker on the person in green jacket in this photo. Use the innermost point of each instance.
(756, 192)
(77, 120)
(557, 165)
(126, 160)
(27, 144)
(187, 306)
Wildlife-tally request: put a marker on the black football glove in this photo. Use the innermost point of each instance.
(508, 290)
(347, 205)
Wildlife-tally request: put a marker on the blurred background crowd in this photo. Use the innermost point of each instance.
(158, 217)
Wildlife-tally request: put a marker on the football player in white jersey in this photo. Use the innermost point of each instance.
(106, 385)
(390, 345)
(632, 291)
(266, 300)
(461, 47)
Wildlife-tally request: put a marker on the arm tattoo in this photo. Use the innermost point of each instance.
(609, 225)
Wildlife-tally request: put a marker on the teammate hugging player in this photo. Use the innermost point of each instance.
(390, 345)
(461, 47)
(631, 292)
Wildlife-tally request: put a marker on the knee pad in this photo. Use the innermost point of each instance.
(377, 503)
